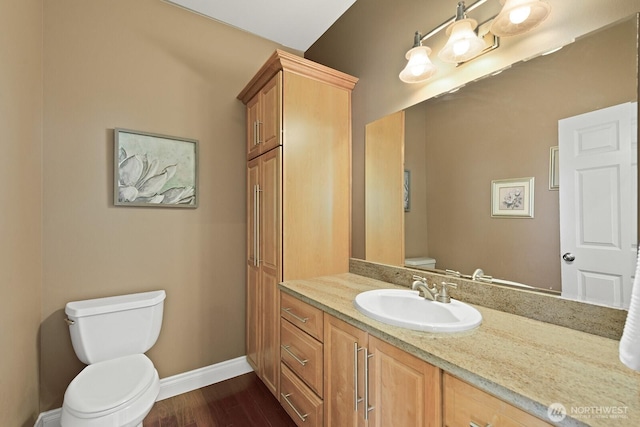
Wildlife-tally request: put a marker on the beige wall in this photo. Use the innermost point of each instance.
(149, 66)
(370, 40)
(21, 208)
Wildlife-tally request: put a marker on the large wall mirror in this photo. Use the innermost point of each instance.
(494, 168)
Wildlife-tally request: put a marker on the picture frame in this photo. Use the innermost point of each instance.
(512, 198)
(407, 190)
(554, 168)
(154, 170)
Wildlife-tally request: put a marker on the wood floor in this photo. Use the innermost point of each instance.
(242, 401)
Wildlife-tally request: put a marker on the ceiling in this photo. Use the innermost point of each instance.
(296, 24)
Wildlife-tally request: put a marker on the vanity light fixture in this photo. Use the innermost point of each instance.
(419, 68)
(519, 16)
(463, 44)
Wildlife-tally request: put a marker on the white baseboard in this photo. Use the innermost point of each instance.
(49, 418)
(175, 385)
(198, 378)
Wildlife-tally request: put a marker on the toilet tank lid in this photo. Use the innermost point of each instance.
(419, 261)
(95, 306)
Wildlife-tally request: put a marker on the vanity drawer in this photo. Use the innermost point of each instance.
(465, 405)
(302, 405)
(302, 354)
(301, 314)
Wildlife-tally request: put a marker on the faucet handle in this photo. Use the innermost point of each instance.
(453, 273)
(420, 278)
(443, 296)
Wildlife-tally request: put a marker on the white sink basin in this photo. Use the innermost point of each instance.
(407, 309)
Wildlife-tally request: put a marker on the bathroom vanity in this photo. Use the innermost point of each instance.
(506, 372)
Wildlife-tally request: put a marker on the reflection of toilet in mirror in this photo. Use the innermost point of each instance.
(422, 263)
(120, 384)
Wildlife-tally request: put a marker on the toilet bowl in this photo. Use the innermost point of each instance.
(120, 384)
(118, 392)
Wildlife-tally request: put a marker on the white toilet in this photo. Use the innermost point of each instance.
(120, 384)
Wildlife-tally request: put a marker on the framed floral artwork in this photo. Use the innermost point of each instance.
(155, 170)
(512, 198)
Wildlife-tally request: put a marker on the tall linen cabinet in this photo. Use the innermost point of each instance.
(298, 190)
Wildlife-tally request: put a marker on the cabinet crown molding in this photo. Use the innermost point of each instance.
(281, 60)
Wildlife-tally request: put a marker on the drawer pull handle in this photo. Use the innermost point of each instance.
(286, 399)
(472, 424)
(300, 361)
(356, 398)
(301, 319)
(367, 408)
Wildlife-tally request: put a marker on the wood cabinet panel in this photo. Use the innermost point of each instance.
(271, 123)
(384, 178)
(371, 383)
(270, 339)
(343, 374)
(264, 118)
(316, 178)
(271, 212)
(465, 404)
(263, 272)
(403, 390)
(253, 301)
(253, 118)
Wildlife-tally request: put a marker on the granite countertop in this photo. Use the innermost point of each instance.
(528, 363)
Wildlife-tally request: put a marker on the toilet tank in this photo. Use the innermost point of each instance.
(423, 263)
(111, 327)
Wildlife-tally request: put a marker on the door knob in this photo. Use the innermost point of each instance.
(569, 257)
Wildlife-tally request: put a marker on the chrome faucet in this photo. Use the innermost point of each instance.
(479, 276)
(420, 284)
(443, 296)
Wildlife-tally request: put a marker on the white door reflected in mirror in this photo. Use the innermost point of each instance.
(598, 204)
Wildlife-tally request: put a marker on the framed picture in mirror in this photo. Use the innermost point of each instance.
(407, 192)
(554, 169)
(512, 198)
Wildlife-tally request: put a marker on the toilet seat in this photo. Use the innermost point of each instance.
(124, 389)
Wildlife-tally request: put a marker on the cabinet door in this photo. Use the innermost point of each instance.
(271, 119)
(343, 373)
(264, 270)
(271, 213)
(254, 323)
(270, 339)
(253, 118)
(264, 118)
(466, 405)
(403, 390)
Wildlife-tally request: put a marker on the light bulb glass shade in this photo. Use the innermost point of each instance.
(419, 67)
(519, 16)
(463, 44)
